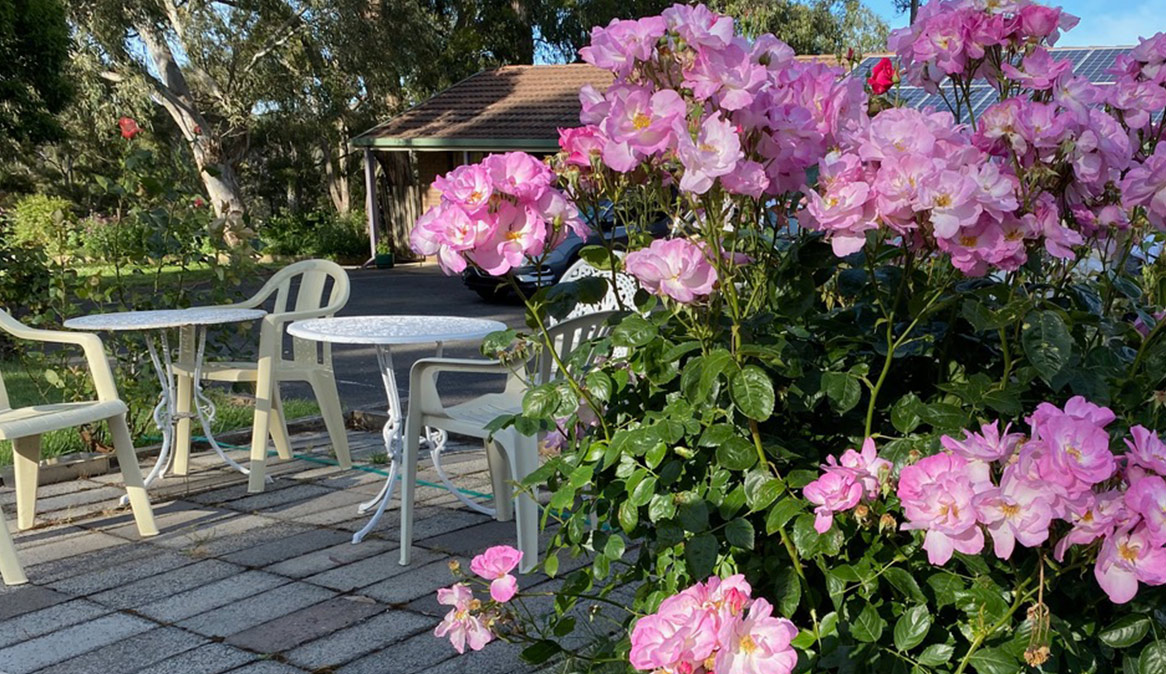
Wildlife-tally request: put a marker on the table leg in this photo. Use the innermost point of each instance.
(204, 408)
(394, 439)
(164, 412)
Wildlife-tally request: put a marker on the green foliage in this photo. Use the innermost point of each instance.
(811, 26)
(44, 221)
(317, 234)
(34, 50)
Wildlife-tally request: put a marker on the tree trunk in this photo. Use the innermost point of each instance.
(335, 173)
(216, 169)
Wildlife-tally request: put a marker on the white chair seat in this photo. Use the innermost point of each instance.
(470, 418)
(39, 419)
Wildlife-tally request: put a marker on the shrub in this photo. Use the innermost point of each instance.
(49, 222)
(112, 240)
(343, 238)
(910, 406)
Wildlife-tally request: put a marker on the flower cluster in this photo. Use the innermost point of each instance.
(954, 37)
(1056, 162)
(845, 482)
(714, 627)
(468, 622)
(676, 268)
(1015, 487)
(495, 215)
(700, 105)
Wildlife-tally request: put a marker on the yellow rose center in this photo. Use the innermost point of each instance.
(1128, 552)
(747, 644)
(641, 121)
(1010, 510)
(943, 201)
(967, 241)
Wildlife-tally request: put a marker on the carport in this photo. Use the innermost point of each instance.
(501, 110)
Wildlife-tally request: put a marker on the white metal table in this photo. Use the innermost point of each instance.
(192, 324)
(384, 332)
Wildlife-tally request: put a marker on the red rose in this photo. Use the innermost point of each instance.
(198, 202)
(882, 76)
(129, 128)
(850, 54)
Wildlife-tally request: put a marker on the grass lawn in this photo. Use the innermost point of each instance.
(168, 276)
(24, 389)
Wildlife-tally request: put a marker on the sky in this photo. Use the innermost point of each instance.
(1103, 22)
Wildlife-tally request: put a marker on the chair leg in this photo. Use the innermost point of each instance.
(261, 426)
(324, 387)
(409, 482)
(131, 475)
(524, 461)
(26, 466)
(500, 473)
(279, 434)
(10, 569)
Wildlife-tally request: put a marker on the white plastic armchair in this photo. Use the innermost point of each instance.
(620, 296)
(511, 455)
(24, 426)
(310, 362)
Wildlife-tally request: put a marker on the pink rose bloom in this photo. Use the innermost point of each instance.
(699, 26)
(1145, 185)
(1126, 558)
(561, 214)
(845, 211)
(837, 490)
(748, 179)
(728, 75)
(1015, 511)
(518, 232)
(987, 445)
(1147, 497)
(495, 565)
(937, 494)
(1038, 70)
(1092, 516)
(1045, 22)
(1079, 448)
(951, 198)
(593, 105)
(673, 267)
(1146, 450)
(583, 145)
(518, 174)
(866, 465)
(459, 624)
(758, 644)
(640, 123)
(715, 153)
(429, 237)
(468, 186)
(622, 43)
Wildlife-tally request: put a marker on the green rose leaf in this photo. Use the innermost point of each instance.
(936, 654)
(629, 516)
(643, 492)
(912, 627)
(737, 453)
(904, 582)
(1126, 632)
(540, 401)
(842, 389)
(752, 392)
(701, 554)
(1153, 660)
(739, 534)
(782, 512)
(994, 661)
(633, 331)
(540, 651)
(869, 625)
(761, 489)
(905, 416)
(1047, 343)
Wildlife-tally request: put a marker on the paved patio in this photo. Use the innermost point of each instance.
(248, 584)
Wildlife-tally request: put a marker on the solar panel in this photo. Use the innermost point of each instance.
(1099, 61)
(1074, 56)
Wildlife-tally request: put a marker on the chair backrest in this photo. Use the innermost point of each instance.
(622, 296)
(565, 338)
(313, 276)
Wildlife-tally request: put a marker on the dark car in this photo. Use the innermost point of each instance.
(532, 277)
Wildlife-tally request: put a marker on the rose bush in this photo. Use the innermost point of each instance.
(972, 303)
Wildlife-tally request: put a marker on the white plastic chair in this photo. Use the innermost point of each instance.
(621, 296)
(24, 426)
(511, 455)
(310, 362)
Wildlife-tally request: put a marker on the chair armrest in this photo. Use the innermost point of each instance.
(423, 378)
(90, 343)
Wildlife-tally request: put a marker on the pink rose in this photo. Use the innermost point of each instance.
(676, 268)
(495, 565)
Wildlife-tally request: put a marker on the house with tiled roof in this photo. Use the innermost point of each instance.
(509, 108)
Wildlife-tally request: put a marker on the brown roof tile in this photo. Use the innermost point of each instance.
(513, 107)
